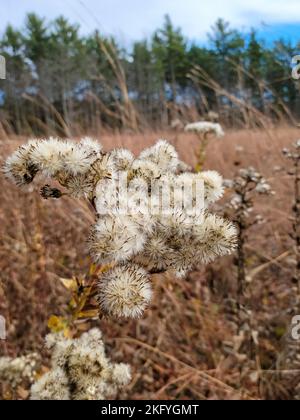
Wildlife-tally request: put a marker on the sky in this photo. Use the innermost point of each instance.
(130, 20)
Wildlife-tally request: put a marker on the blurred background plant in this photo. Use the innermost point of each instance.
(245, 186)
(204, 130)
(289, 358)
(294, 157)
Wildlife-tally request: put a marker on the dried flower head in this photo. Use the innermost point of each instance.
(125, 291)
(116, 239)
(123, 159)
(205, 127)
(163, 154)
(19, 167)
(15, 371)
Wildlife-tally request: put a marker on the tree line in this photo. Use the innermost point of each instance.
(60, 82)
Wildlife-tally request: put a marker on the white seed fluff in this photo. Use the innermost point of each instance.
(80, 370)
(162, 154)
(125, 291)
(116, 239)
(205, 127)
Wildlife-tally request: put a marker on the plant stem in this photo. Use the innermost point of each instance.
(241, 258)
(296, 229)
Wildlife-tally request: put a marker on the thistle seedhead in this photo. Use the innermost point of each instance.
(125, 291)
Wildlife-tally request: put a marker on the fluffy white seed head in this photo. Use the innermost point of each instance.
(111, 197)
(51, 386)
(77, 160)
(213, 186)
(145, 169)
(123, 159)
(213, 238)
(19, 167)
(62, 160)
(47, 155)
(116, 239)
(102, 168)
(205, 127)
(177, 224)
(163, 154)
(79, 186)
(154, 257)
(91, 146)
(125, 291)
(208, 186)
(53, 156)
(181, 261)
(121, 374)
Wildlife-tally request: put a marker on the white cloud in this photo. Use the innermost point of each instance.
(273, 11)
(132, 19)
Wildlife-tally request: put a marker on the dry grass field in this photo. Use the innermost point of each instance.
(185, 345)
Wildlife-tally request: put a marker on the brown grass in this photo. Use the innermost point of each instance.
(183, 348)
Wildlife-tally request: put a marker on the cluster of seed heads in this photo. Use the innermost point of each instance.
(245, 186)
(293, 154)
(136, 232)
(80, 370)
(17, 370)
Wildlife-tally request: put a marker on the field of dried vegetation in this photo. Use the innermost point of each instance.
(186, 345)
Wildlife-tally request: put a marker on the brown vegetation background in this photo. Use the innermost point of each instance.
(183, 347)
